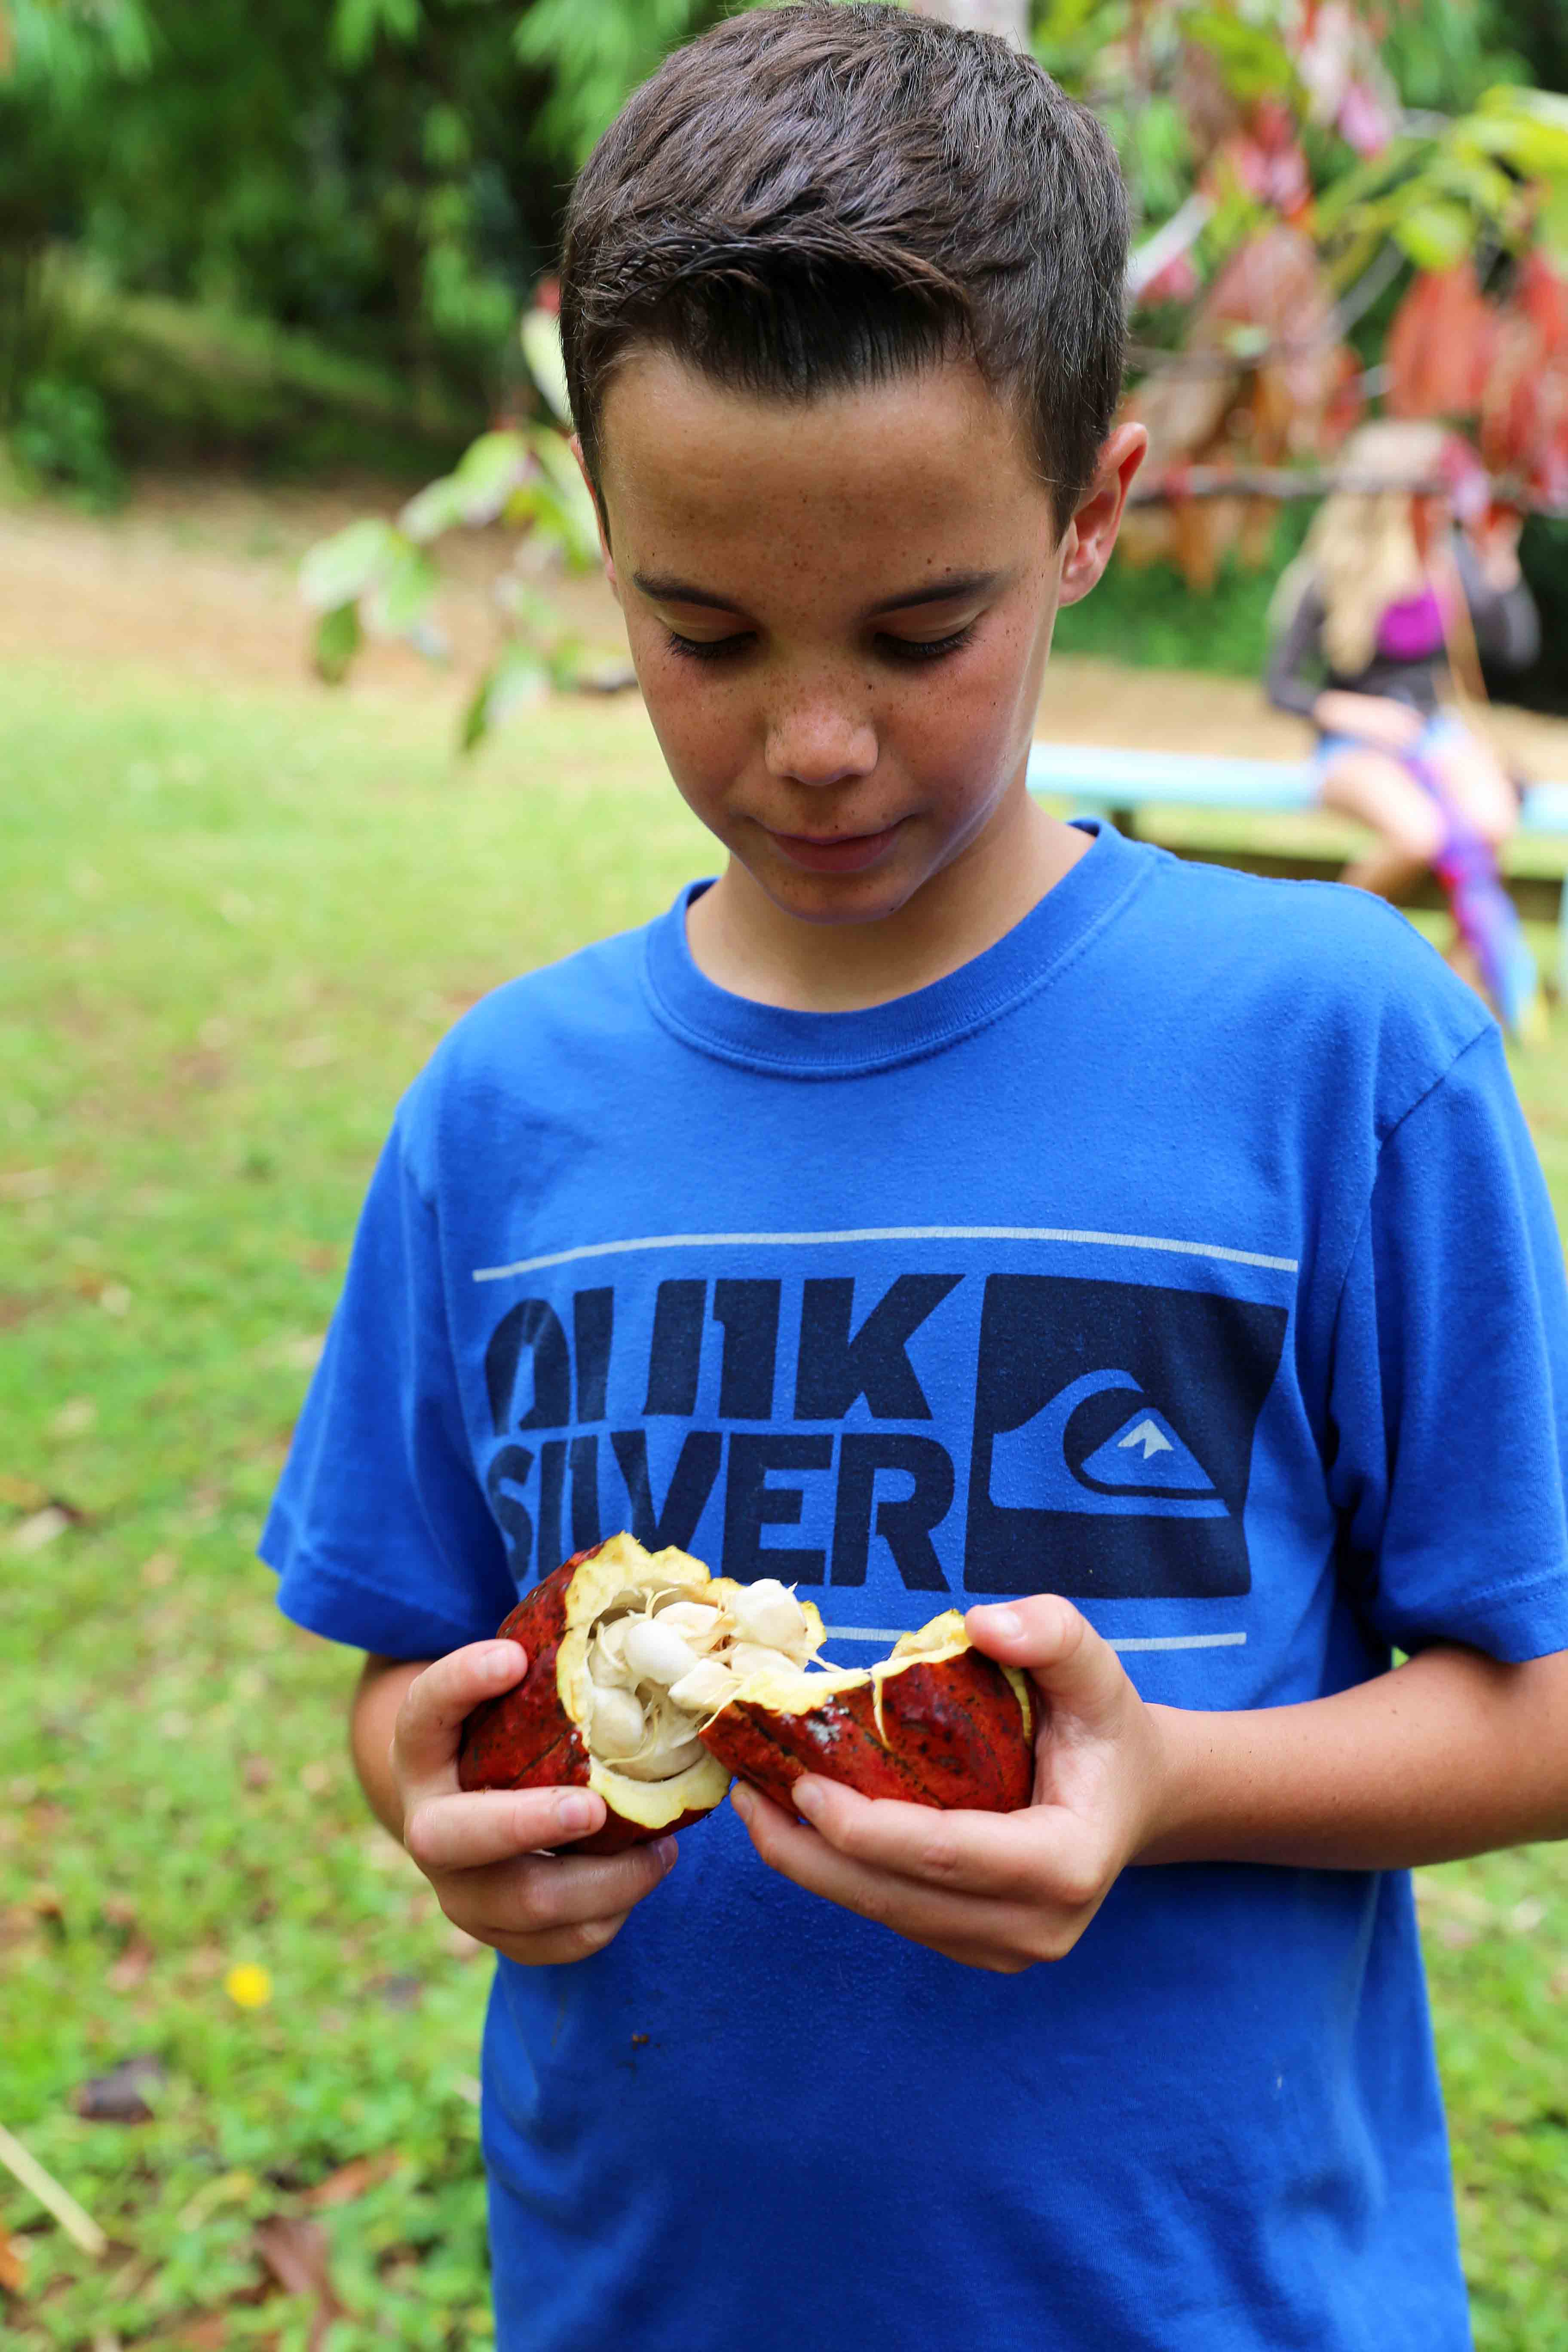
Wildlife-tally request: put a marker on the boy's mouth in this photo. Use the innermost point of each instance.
(844, 853)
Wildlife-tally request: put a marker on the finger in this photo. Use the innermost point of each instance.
(562, 1945)
(535, 1896)
(1042, 1851)
(1054, 1644)
(468, 1831)
(429, 1728)
(927, 1914)
(985, 1956)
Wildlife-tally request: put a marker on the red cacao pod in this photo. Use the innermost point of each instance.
(651, 1682)
(540, 1735)
(937, 1722)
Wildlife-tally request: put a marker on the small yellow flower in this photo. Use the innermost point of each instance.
(250, 1986)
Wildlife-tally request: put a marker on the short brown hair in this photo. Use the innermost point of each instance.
(820, 195)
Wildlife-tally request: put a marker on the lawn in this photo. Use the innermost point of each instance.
(232, 926)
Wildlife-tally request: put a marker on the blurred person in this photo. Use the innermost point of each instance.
(1390, 600)
(946, 1202)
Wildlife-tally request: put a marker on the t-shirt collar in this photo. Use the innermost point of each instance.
(845, 1045)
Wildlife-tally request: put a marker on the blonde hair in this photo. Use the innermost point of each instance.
(1361, 552)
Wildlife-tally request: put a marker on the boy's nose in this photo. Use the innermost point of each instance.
(819, 745)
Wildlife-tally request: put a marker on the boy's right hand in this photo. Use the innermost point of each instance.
(481, 1849)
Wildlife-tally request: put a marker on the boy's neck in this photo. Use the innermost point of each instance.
(744, 943)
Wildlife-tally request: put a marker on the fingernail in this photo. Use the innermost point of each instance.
(1005, 1623)
(743, 1799)
(500, 1660)
(575, 1812)
(807, 1798)
(664, 1852)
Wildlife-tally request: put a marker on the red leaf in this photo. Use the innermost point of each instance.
(1441, 344)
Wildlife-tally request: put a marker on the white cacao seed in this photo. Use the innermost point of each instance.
(709, 1686)
(618, 1725)
(664, 1763)
(607, 1658)
(655, 1652)
(745, 1658)
(768, 1611)
(696, 1621)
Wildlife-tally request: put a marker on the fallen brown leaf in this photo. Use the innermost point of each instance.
(130, 1968)
(352, 2179)
(403, 1991)
(13, 2265)
(296, 2254)
(116, 2097)
(209, 2335)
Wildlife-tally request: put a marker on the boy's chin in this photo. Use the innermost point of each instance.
(869, 896)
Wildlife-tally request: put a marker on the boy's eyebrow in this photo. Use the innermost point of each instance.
(661, 589)
(946, 591)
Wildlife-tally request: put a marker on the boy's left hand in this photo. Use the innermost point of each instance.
(994, 1890)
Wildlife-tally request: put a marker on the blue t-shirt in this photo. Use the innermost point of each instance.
(1185, 1252)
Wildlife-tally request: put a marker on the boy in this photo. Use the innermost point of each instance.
(948, 1202)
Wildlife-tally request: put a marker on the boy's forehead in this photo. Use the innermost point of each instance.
(685, 459)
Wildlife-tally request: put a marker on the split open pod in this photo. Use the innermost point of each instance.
(652, 1682)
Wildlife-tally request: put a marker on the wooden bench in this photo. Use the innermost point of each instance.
(1100, 780)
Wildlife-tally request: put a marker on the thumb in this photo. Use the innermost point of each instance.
(429, 1728)
(1053, 1644)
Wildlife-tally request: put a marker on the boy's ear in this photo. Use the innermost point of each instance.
(576, 446)
(1091, 534)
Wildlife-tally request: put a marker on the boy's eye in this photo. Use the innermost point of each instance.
(911, 650)
(708, 648)
(924, 649)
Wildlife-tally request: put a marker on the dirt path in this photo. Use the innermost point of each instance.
(198, 581)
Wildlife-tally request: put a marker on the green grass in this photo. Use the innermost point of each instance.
(233, 927)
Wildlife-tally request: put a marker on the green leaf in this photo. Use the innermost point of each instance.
(446, 140)
(337, 639)
(1252, 62)
(1435, 235)
(1551, 227)
(565, 663)
(401, 598)
(357, 24)
(489, 471)
(1475, 181)
(540, 334)
(1356, 187)
(437, 507)
(338, 570)
(519, 675)
(575, 518)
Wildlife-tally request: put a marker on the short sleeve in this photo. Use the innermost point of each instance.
(1449, 1380)
(379, 1531)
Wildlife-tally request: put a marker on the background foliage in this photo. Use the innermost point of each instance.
(219, 969)
(385, 177)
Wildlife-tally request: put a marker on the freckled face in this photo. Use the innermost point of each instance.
(839, 611)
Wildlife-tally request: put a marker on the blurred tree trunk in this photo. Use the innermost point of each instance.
(1008, 17)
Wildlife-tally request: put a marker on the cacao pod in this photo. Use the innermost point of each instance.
(937, 1722)
(651, 1682)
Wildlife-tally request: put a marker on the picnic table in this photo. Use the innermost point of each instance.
(1103, 780)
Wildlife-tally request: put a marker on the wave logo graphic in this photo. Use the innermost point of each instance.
(1143, 1469)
